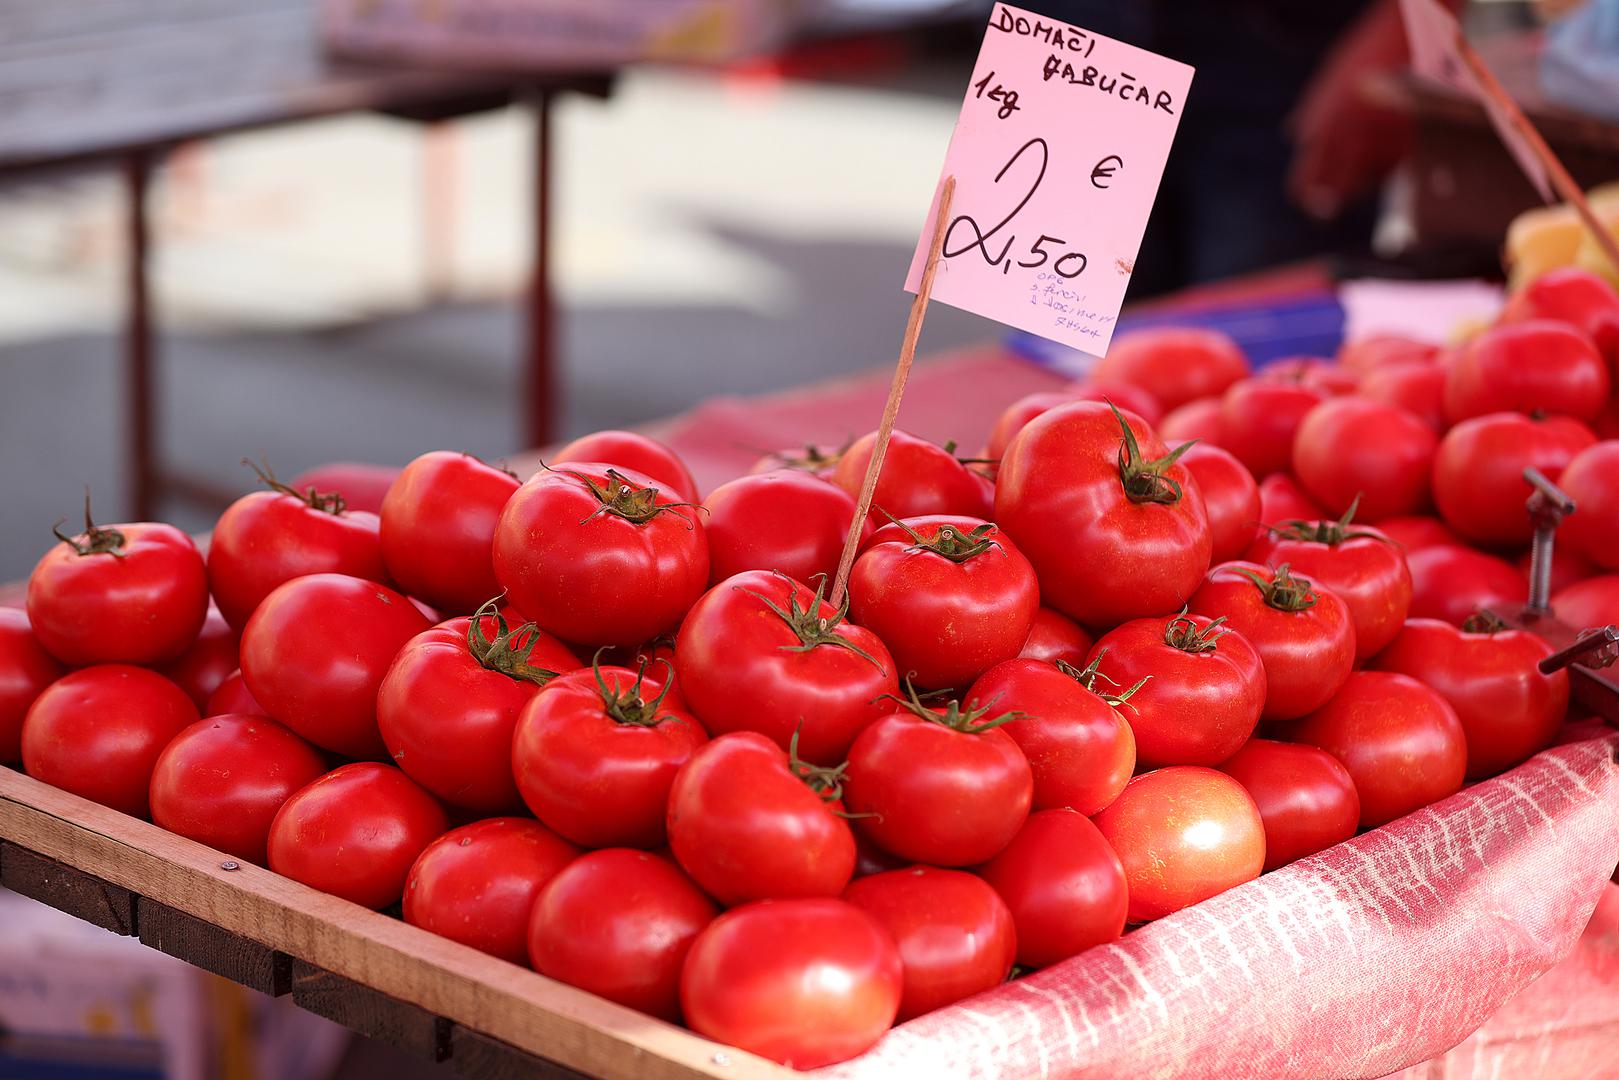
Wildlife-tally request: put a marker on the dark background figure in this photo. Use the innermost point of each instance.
(1278, 158)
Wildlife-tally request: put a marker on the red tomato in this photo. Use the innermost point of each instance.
(1509, 710)
(355, 833)
(802, 982)
(1016, 416)
(782, 520)
(599, 556)
(1567, 567)
(1592, 602)
(1201, 419)
(97, 733)
(26, 670)
(748, 822)
(917, 478)
(1453, 583)
(1417, 387)
(1063, 884)
(1536, 365)
(1354, 451)
(1125, 395)
(1573, 296)
(233, 698)
(448, 705)
(1113, 523)
(1174, 364)
(1054, 636)
(595, 754)
(1258, 418)
(951, 597)
(632, 451)
(1362, 566)
(1400, 741)
(267, 538)
(1371, 353)
(1204, 692)
(315, 652)
(1230, 497)
(1081, 751)
(954, 933)
(1589, 603)
(1304, 795)
(1184, 834)
(619, 923)
(208, 661)
(1326, 377)
(943, 787)
(1304, 635)
(477, 884)
(760, 652)
(1478, 481)
(815, 459)
(361, 485)
(1418, 531)
(438, 522)
(118, 594)
(1281, 499)
(1592, 481)
(222, 780)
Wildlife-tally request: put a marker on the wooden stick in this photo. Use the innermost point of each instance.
(1561, 180)
(896, 390)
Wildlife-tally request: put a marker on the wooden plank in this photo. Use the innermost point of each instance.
(373, 1014)
(205, 945)
(519, 1007)
(483, 1058)
(81, 895)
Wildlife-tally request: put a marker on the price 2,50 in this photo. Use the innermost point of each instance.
(1046, 249)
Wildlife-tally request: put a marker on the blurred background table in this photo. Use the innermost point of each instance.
(108, 81)
(1466, 188)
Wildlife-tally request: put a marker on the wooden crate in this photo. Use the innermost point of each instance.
(376, 975)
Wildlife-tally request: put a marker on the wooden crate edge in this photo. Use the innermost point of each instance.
(502, 1001)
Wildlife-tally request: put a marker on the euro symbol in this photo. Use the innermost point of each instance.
(1105, 169)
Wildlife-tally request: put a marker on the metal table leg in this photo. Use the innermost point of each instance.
(540, 373)
(138, 347)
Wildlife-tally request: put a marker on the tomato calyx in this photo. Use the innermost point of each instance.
(95, 540)
(1091, 672)
(1182, 633)
(966, 719)
(627, 706)
(807, 624)
(622, 498)
(1484, 622)
(825, 781)
(1331, 533)
(1145, 480)
(327, 502)
(506, 651)
(950, 542)
(813, 459)
(1283, 591)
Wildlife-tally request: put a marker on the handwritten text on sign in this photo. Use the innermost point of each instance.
(1057, 156)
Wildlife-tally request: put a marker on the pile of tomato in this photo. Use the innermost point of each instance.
(589, 722)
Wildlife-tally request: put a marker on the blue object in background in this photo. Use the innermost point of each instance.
(43, 1057)
(1307, 325)
(1580, 65)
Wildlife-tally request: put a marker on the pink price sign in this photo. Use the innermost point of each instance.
(1057, 156)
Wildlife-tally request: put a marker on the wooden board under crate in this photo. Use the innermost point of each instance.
(425, 994)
